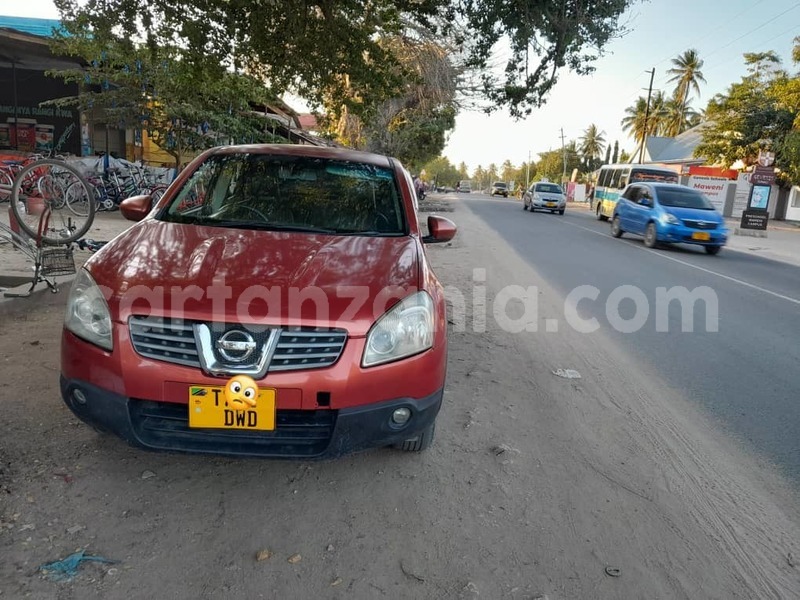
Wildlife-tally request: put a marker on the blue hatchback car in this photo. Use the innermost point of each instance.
(669, 213)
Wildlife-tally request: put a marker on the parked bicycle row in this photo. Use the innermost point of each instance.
(109, 184)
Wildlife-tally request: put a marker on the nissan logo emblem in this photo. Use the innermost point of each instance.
(236, 345)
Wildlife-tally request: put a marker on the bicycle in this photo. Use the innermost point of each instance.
(49, 196)
(38, 212)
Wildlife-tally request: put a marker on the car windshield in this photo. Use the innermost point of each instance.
(683, 198)
(290, 193)
(640, 175)
(499, 185)
(549, 188)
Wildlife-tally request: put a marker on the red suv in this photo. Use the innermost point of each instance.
(277, 301)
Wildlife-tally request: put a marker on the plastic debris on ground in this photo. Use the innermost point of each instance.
(567, 373)
(67, 568)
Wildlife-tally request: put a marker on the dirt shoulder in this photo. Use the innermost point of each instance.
(537, 486)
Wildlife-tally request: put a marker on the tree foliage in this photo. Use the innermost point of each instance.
(760, 112)
(332, 54)
(412, 125)
(686, 74)
(182, 107)
(544, 36)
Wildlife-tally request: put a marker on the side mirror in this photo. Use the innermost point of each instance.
(439, 230)
(136, 208)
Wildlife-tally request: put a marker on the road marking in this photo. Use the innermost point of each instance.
(703, 269)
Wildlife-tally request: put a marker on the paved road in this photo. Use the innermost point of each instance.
(747, 374)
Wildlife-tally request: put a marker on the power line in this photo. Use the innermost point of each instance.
(744, 35)
(717, 28)
(771, 41)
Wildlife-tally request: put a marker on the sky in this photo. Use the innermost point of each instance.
(658, 30)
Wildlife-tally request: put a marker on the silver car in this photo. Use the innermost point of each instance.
(543, 195)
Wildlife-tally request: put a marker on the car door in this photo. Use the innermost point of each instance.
(641, 209)
(624, 207)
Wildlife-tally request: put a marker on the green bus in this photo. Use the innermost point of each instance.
(612, 179)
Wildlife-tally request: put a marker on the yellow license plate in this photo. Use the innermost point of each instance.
(551, 205)
(701, 235)
(208, 409)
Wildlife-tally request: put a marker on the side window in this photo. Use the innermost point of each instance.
(602, 181)
(613, 179)
(632, 193)
(623, 178)
(644, 194)
(193, 195)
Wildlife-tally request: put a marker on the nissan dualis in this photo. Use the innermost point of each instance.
(277, 301)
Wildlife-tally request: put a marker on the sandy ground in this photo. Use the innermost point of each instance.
(608, 486)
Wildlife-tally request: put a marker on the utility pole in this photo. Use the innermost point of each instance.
(528, 171)
(564, 157)
(646, 114)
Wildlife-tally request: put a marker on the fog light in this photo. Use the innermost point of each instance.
(401, 416)
(79, 396)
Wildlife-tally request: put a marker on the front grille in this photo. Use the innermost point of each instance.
(173, 340)
(297, 433)
(170, 340)
(307, 348)
(699, 224)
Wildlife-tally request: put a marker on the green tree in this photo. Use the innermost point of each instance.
(687, 75)
(507, 171)
(463, 172)
(332, 54)
(624, 157)
(755, 114)
(184, 109)
(479, 176)
(551, 164)
(591, 146)
(491, 173)
(441, 172)
(412, 125)
(615, 156)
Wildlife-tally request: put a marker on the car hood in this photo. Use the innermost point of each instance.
(234, 275)
(694, 214)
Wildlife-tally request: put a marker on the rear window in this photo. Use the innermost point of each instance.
(549, 188)
(639, 175)
(683, 198)
(317, 195)
(499, 184)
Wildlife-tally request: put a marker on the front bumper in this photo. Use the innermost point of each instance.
(546, 204)
(680, 234)
(322, 433)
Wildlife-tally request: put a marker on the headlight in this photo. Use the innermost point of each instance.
(87, 312)
(536, 196)
(671, 219)
(404, 330)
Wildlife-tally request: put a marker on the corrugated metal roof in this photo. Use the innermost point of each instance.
(40, 27)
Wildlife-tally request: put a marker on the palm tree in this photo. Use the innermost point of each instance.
(677, 119)
(640, 116)
(634, 119)
(638, 113)
(688, 76)
(593, 143)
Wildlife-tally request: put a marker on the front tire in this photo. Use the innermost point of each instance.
(561, 212)
(650, 236)
(600, 216)
(616, 227)
(422, 442)
(712, 250)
